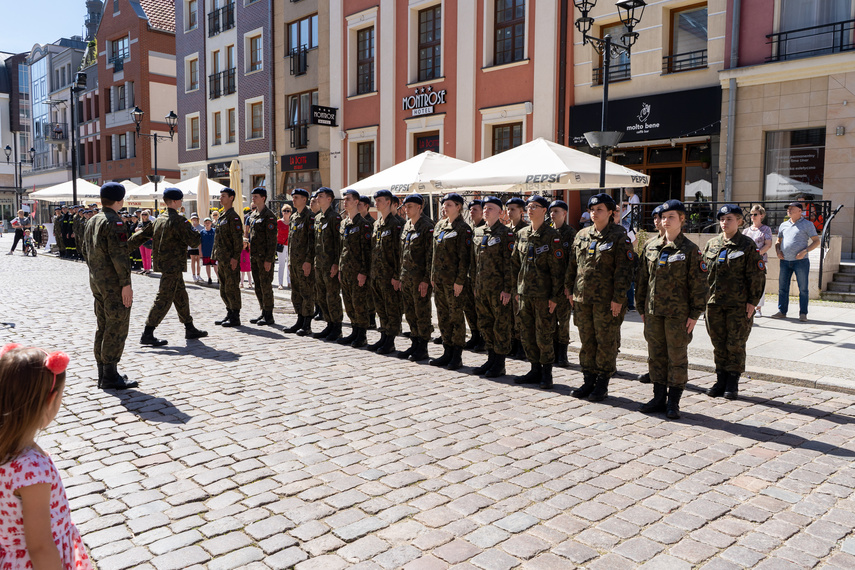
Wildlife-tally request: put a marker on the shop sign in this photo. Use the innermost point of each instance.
(218, 169)
(423, 101)
(300, 161)
(324, 116)
(425, 143)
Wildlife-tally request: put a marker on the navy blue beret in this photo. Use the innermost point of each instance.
(260, 191)
(475, 202)
(351, 192)
(395, 199)
(602, 198)
(540, 200)
(673, 206)
(383, 194)
(414, 199)
(657, 211)
(454, 197)
(559, 204)
(518, 201)
(492, 200)
(365, 200)
(228, 191)
(112, 191)
(173, 194)
(728, 209)
(326, 190)
(300, 192)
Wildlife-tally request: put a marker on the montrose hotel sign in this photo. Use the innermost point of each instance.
(423, 101)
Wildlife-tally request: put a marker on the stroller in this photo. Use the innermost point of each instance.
(29, 244)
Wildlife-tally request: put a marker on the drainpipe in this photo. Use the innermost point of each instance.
(562, 71)
(731, 103)
(271, 101)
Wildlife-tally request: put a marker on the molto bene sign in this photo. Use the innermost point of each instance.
(219, 169)
(324, 116)
(300, 161)
(423, 101)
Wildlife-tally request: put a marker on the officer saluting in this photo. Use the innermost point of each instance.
(262, 253)
(416, 260)
(228, 243)
(301, 251)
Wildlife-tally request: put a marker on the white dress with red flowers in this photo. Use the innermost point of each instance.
(31, 468)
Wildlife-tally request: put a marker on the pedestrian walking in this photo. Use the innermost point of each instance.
(762, 236)
(21, 224)
(301, 251)
(262, 254)
(353, 269)
(796, 238)
(228, 252)
(283, 226)
(327, 255)
(558, 210)
(386, 272)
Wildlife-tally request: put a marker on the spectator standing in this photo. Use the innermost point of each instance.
(207, 247)
(626, 213)
(283, 226)
(762, 236)
(796, 238)
(145, 249)
(195, 254)
(21, 223)
(245, 265)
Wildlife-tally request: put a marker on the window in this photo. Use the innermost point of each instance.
(258, 180)
(23, 79)
(301, 108)
(192, 15)
(129, 90)
(506, 137)
(64, 82)
(303, 34)
(688, 40)
(794, 159)
(430, 42)
(120, 98)
(119, 48)
(256, 111)
(193, 75)
(109, 147)
(230, 57)
(510, 31)
(108, 104)
(123, 146)
(194, 132)
(231, 118)
(218, 129)
(619, 66)
(364, 160)
(255, 53)
(807, 30)
(365, 60)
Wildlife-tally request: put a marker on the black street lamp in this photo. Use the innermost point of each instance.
(19, 170)
(627, 9)
(171, 121)
(78, 86)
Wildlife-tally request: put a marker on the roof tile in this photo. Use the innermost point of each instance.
(161, 14)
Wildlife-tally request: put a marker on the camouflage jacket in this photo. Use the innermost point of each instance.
(327, 239)
(537, 263)
(77, 226)
(107, 244)
(672, 279)
(517, 229)
(452, 252)
(57, 226)
(301, 238)
(386, 248)
(262, 235)
(228, 239)
(737, 274)
(171, 234)
(355, 247)
(493, 247)
(417, 253)
(600, 265)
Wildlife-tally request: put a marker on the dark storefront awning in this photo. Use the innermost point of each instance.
(695, 112)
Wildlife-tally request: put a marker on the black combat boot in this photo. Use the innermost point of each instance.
(491, 359)
(533, 376)
(474, 342)
(191, 332)
(349, 338)
(372, 323)
(388, 346)
(100, 374)
(257, 319)
(480, 345)
(112, 380)
(360, 339)
(731, 389)
(589, 380)
(149, 338)
(437, 340)
(561, 355)
(266, 319)
(517, 350)
(445, 358)
(498, 368)
(717, 389)
(672, 407)
(295, 327)
(601, 388)
(335, 333)
(546, 377)
(323, 334)
(374, 346)
(319, 315)
(234, 320)
(414, 342)
(456, 361)
(421, 351)
(224, 319)
(657, 404)
(306, 329)
(644, 378)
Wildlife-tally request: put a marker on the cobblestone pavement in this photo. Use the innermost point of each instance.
(248, 449)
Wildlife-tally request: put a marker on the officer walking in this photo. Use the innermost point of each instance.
(516, 207)
(301, 253)
(353, 269)
(416, 261)
(386, 271)
(493, 245)
(327, 255)
(558, 215)
(672, 295)
(736, 278)
(228, 243)
(262, 254)
(599, 270)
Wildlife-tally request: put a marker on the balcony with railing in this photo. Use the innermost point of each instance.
(812, 41)
(118, 63)
(221, 19)
(221, 83)
(56, 133)
(617, 72)
(299, 60)
(300, 135)
(684, 61)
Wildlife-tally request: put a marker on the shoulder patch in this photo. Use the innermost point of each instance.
(559, 253)
(761, 266)
(269, 226)
(704, 267)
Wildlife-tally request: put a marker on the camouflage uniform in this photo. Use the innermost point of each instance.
(57, 234)
(537, 266)
(469, 305)
(599, 270)
(370, 308)
(262, 248)
(563, 310)
(228, 244)
(516, 304)
(301, 249)
(80, 230)
(672, 288)
(327, 254)
(416, 261)
(452, 256)
(493, 247)
(385, 266)
(737, 276)
(355, 260)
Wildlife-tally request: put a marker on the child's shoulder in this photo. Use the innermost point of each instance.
(29, 467)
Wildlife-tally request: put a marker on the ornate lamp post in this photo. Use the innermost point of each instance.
(78, 86)
(19, 171)
(171, 121)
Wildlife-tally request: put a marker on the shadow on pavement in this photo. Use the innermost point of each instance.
(198, 349)
(150, 408)
(274, 333)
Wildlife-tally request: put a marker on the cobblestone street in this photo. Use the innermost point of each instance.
(250, 449)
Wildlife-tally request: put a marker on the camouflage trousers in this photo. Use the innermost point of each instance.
(538, 330)
(229, 280)
(328, 295)
(355, 299)
(60, 244)
(113, 319)
(563, 313)
(469, 307)
(496, 321)
(515, 306)
(171, 292)
(302, 290)
(728, 329)
(389, 305)
(417, 308)
(449, 308)
(667, 350)
(263, 283)
(599, 333)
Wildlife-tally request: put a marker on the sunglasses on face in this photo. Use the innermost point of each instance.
(752, 215)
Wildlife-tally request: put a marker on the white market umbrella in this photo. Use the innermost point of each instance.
(190, 187)
(203, 197)
(539, 166)
(412, 175)
(63, 192)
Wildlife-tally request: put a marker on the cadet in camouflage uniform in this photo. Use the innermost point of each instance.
(476, 342)
(385, 272)
(364, 211)
(737, 276)
(516, 207)
(262, 254)
(537, 267)
(656, 214)
(599, 270)
(57, 230)
(228, 244)
(558, 216)
(493, 244)
(353, 270)
(327, 255)
(416, 261)
(301, 253)
(672, 294)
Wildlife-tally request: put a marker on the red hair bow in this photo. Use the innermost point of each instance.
(56, 362)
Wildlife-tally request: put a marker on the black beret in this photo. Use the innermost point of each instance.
(228, 191)
(559, 204)
(315, 194)
(454, 197)
(602, 198)
(173, 194)
(414, 199)
(535, 199)
(657, 211)
(57, 209)
(728, 209)
(492, 200)
(673, 206)
(383, 194)
(112, 191)
(365, 200)
(518, 201)
(326, 190)
(395, 199)
(475, 202)
(300, 192)
(350, 192)
(260, 191)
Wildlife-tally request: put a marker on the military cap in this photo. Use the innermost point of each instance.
(492, 200)
(260, 191)
(728, 209)
(93, 205)
(559, 204)
(383, 194)
(58, 209)
(228, 191)
(540, 200)
(657, 211)
(395, 199)
(518, 201)
(673, 206)
(300, 192)
(475, 202)
(454, 197)
(194, 215)
(365, 200)
(326, 190)
(315, 193)
(414, 199)
(602, 198)
(798, 205)
(350, 192)
(173, 194)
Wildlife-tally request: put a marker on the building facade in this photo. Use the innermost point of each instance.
(87, 119)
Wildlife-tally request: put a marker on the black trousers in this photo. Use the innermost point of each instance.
(19, 236)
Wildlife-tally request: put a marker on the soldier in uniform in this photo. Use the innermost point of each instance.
(672, 295)
(656, 214)
(452, 257)
(171, 235)
(537, 264)
(558, 215)
(77, 227)
(228, 243)
(315, 208)
(262, 254)
(386, 271)
(397, 209)
(364, 211)
(57, 230)
(476, 342)
(301, 253)
(736, 278)
(416, 261)
(353, 270)
(476, 213)
(494, 286)
(327, 255)
(81, 229)
(599, 270)
(68, 233)
(516, 207)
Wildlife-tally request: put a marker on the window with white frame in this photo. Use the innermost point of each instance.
(254, 113)
(361, 60)
(365, 60)
(193, 132)
(430, 42)
(231, 115)
(216, 123)
(191, 15)
(505, 32)
(503, 128)
(193, 74)
(254, 53)
(303, 34)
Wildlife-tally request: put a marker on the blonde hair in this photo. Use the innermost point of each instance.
(759, 208)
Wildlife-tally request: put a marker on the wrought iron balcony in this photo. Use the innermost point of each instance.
(56, 133)
(684, 61)
(300, 135)
(221, 19)
(619, 72)
(299, 60)
(221, 83)
(812, 41)
(118, 63)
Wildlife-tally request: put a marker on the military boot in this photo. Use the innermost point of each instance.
(491, 359)
(644, 378)
(533, 375)
(100, 374)
(360, 339)
(437, 340)
(256, 319)
(445, 358)
(335, 333)
(421, 352)
(498, 368)
(266, 319)
(731, 390)
(319, 316)
(349, 338)
(306, 329)
(474, 342)
(112, 380)
(672, 407)
(295, 327)
(372, 323)
(601, 388)
(561, 355)
(518, 351)
(191, 332)
(323, 334)
(657, 403)
(224, 319)
(456, 361)
(414, 342)
(717, 389)
(546, 377)
(388, 346)
(589, 380)
(234, 320)
(374, 346)
(149, 338)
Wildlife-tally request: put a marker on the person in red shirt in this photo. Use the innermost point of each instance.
(283, 224)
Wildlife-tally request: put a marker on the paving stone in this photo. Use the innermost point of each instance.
(456, 551)
(236, 559)
(363, 549)
(494, 559)
(397, 557)
(359, 528)
(269, 526)
(181, 558)
(286, 558)
(638, 549)
(325, 562)
(487, 536)
(516, 522)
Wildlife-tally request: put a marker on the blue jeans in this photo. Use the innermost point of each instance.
(801, 267)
